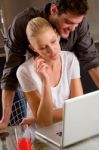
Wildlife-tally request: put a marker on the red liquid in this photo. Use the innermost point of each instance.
(24, 144)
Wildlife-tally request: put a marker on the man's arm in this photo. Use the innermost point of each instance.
(86, 51)
(15, 50)
(7, 97)
(15, 47)
(94, 73)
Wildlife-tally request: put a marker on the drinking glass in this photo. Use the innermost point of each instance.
(23, 137)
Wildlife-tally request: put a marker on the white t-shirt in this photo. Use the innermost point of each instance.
(30, 80)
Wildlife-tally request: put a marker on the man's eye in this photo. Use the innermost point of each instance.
(67, 21)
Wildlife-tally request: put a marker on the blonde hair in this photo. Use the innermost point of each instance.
(35, 26)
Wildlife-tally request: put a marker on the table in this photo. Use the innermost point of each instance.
(89, 144)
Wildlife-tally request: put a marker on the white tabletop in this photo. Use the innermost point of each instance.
(89, 144)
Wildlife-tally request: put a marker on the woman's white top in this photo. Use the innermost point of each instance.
(30, 80)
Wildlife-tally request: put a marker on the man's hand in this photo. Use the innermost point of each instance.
(94, 73)
(7, 101)
(3, 124)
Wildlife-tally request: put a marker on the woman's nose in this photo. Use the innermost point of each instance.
(51, 49)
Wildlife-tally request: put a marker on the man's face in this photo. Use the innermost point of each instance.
(65, 23)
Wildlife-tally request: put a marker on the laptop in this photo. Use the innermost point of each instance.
(80, 121)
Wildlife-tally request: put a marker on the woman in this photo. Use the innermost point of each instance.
(50, 77)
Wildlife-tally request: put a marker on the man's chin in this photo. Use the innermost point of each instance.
(65, 36)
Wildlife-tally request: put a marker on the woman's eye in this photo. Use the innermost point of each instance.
(53, 41)
(43, 48)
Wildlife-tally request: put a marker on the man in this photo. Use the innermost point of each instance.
(68, 18)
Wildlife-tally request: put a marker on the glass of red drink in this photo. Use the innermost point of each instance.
(23, 138)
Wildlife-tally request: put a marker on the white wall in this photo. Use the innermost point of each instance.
(13, 7)
(93, 18)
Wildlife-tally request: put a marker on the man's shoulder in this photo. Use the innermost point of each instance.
(20, 21)
(26, 15)
(83, 25)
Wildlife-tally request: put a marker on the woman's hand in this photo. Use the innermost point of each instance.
(42, 68)
(28, 120)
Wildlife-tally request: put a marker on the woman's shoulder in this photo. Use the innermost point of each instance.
(26, 66)
(67, 54)
(68, 58)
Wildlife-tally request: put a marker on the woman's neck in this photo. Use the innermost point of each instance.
(52, 64)
(55, 63)
(55, 71)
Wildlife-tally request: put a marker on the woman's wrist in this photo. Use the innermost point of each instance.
(45, 81)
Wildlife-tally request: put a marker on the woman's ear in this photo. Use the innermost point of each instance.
(35, 54)
(31, 47)
(53, 10)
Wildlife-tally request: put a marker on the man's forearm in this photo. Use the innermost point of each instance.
(7, 100)
(94, 73)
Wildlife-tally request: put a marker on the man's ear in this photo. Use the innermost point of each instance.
(53, 10)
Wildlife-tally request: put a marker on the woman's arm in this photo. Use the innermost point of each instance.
(40, 116)
(57, 115)
(76, 88)
(45, 110)
(41, 105)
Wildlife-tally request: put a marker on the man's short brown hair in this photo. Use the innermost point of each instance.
(77, 7)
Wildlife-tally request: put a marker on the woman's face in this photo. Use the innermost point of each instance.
(46, 44)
